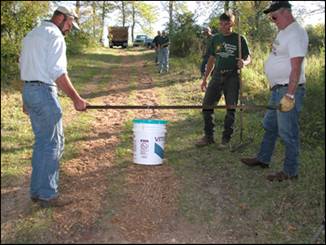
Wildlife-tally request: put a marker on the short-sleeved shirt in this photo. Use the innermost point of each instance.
(226, 51)
(43, 55)
(164, 41)
(289, 43)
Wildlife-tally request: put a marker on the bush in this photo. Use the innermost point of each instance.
(78, 41)
(316, 37)
(185, 38)
(17, 19)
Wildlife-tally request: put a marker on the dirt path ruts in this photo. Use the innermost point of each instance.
(150, 197)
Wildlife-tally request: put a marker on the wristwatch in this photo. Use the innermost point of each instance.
(291, 96)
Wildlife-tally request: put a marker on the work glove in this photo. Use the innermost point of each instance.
(286, 104)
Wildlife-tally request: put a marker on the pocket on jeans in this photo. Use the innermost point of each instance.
(32, 96)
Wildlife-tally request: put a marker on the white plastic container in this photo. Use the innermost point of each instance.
(149, 139)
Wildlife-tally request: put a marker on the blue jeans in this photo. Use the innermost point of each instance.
(164, 59)
(41, 102)
(285, 125)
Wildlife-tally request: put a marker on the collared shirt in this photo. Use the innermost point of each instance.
(43, 55)
(289, 43)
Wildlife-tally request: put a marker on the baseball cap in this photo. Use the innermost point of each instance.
(207, 29)
(70, 12)
(276, 5)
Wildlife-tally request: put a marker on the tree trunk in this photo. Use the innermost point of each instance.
(170, 17)
(133, 20)
(123, 13)
(78, 11)
(226, 6)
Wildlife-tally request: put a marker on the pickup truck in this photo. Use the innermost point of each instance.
(143, 41)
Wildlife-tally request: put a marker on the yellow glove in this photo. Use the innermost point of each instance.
(286, 103)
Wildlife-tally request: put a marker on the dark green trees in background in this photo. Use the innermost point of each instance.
(17, 18)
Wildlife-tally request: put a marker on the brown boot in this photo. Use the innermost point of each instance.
(55, 202)
(280, 176)
(204, 141)
(251, 162)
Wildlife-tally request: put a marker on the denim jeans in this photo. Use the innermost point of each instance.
(157, 52)
(41, 102)
(164, 59)
(286, 126)
(228, 84)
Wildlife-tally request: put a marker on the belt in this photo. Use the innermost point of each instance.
(277, 86)
(33, 82)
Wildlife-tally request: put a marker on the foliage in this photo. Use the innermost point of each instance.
(316, 37)
(313, 124)
(185, 38)
(145, 15)
(17, 19)
(78, 41)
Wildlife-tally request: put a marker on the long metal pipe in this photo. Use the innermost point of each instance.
(160, 107)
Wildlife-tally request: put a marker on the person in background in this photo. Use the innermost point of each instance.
(207, 33)
(156, 46)
(164, 43)
(43, 68)
(285, 71)
(224, 62)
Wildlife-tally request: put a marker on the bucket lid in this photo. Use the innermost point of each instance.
(150, 121)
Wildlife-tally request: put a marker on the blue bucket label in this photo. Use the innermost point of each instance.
(159, 150)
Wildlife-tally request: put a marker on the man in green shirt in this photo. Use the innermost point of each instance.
(224, 62)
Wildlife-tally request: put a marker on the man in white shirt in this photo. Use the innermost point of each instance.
(43, 68)
(285, 71)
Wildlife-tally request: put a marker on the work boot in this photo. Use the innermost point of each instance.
(280, 176)
(34, 199)
(204, 141)
(224, 145)
(55, 202)
(252, 162)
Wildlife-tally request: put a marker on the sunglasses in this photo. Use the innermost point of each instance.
(273, 18)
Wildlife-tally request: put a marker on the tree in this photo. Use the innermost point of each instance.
(144, 15)
(185, 37)
(17, 19)
(173, 8)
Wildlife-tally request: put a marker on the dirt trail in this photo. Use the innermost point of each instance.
(150, 191)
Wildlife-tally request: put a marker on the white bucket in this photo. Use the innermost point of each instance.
(149, 139)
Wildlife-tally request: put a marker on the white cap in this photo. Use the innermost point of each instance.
(207, 29)
(70, 12)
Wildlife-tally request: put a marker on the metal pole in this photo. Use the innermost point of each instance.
(160, 107)
(240, 77)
